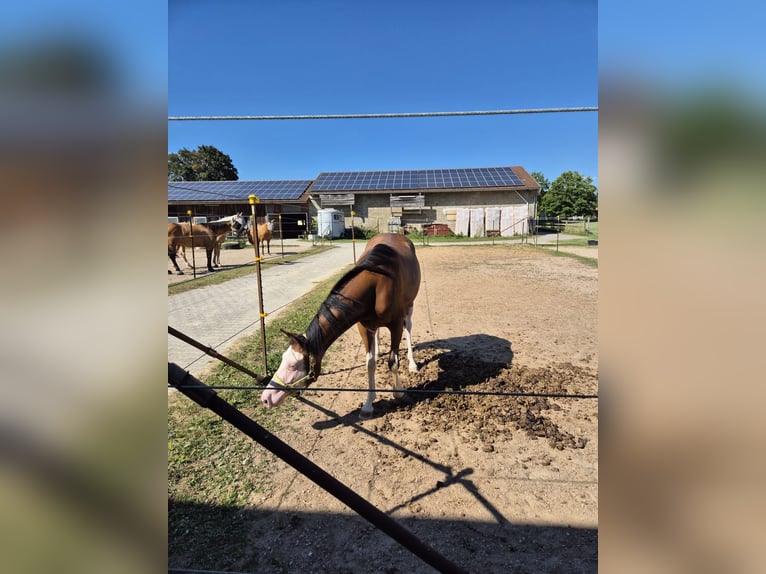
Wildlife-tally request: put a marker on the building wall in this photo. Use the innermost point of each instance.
(374, 211)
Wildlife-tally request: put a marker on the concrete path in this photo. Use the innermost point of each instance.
(218, 315)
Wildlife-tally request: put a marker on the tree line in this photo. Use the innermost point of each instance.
(570, 194)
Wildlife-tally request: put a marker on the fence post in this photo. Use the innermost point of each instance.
(191, 236)
(253, 199)
(208, 398)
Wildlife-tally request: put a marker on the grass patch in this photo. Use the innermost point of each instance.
(589, 261)
(579, 242)
(241, 271)
(211, 463)
(578, 229)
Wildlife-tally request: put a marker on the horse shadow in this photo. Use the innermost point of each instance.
(458, 362)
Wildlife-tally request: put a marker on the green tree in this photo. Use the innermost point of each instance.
(544, 184)
(570, 195)
(206, 163)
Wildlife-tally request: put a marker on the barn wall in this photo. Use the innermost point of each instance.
(373, 210)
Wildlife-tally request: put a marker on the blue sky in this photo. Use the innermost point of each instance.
(297, 57)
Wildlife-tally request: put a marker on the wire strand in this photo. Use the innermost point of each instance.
(389, 115)
(413, 391)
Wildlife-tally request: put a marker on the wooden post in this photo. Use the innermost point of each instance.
(253, 199)
(191, 236)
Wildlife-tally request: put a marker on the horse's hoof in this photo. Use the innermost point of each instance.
(365, 415)
(413, 368)
(180, 273)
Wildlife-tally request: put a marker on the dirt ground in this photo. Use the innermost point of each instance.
(494, 483)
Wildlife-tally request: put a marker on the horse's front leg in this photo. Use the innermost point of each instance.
(368, 338)
(408, 334)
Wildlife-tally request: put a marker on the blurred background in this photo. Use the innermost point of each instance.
(83, 123)
(82, 165)
(682, 150)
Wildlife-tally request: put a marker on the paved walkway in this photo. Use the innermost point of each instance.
(220, 314)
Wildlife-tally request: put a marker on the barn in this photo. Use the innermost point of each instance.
(487, 201)
(215, 199)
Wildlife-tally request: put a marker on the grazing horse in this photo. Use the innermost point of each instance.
(264, 234)
(378, 292)
(204, 235)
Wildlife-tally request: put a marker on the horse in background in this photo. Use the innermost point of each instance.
(221, 228)
(265, 231)
(208, 235)
(379, 291)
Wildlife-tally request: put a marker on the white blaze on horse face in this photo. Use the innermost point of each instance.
(290, 370)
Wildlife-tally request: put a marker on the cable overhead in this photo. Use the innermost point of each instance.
(390, 115)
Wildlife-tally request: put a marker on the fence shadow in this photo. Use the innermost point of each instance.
(460, 365)
(209, 537)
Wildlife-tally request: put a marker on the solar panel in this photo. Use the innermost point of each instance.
(270, 190)
(416, 179)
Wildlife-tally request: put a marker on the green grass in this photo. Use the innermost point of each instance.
(248, 269)
(211, 462)
(577, 229)
(579, 242)
(589, 261)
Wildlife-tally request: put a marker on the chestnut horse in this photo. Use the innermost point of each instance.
(378, 292)
(264, 234)
(221, 228)
(204, 235)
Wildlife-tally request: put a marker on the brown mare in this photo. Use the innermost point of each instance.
(208, 235)
(378, 292)
(264, 234)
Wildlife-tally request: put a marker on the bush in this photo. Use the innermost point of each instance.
(363, 232)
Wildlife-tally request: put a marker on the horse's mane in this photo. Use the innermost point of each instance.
(219, 224)
(373, 261)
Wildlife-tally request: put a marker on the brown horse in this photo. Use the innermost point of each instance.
(378, 292)
(221, 229)
(210, 236)
(264, 234)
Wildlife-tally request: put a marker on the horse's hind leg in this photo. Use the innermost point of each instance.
(368, 338)
(172, 257)
(408, 334)
(182, 250)
(393, 359)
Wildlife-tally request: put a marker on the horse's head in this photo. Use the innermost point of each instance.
(299, 368)
(238, 222)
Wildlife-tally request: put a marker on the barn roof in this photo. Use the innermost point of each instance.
(365, 182)
(462, 179)
(237, 191)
